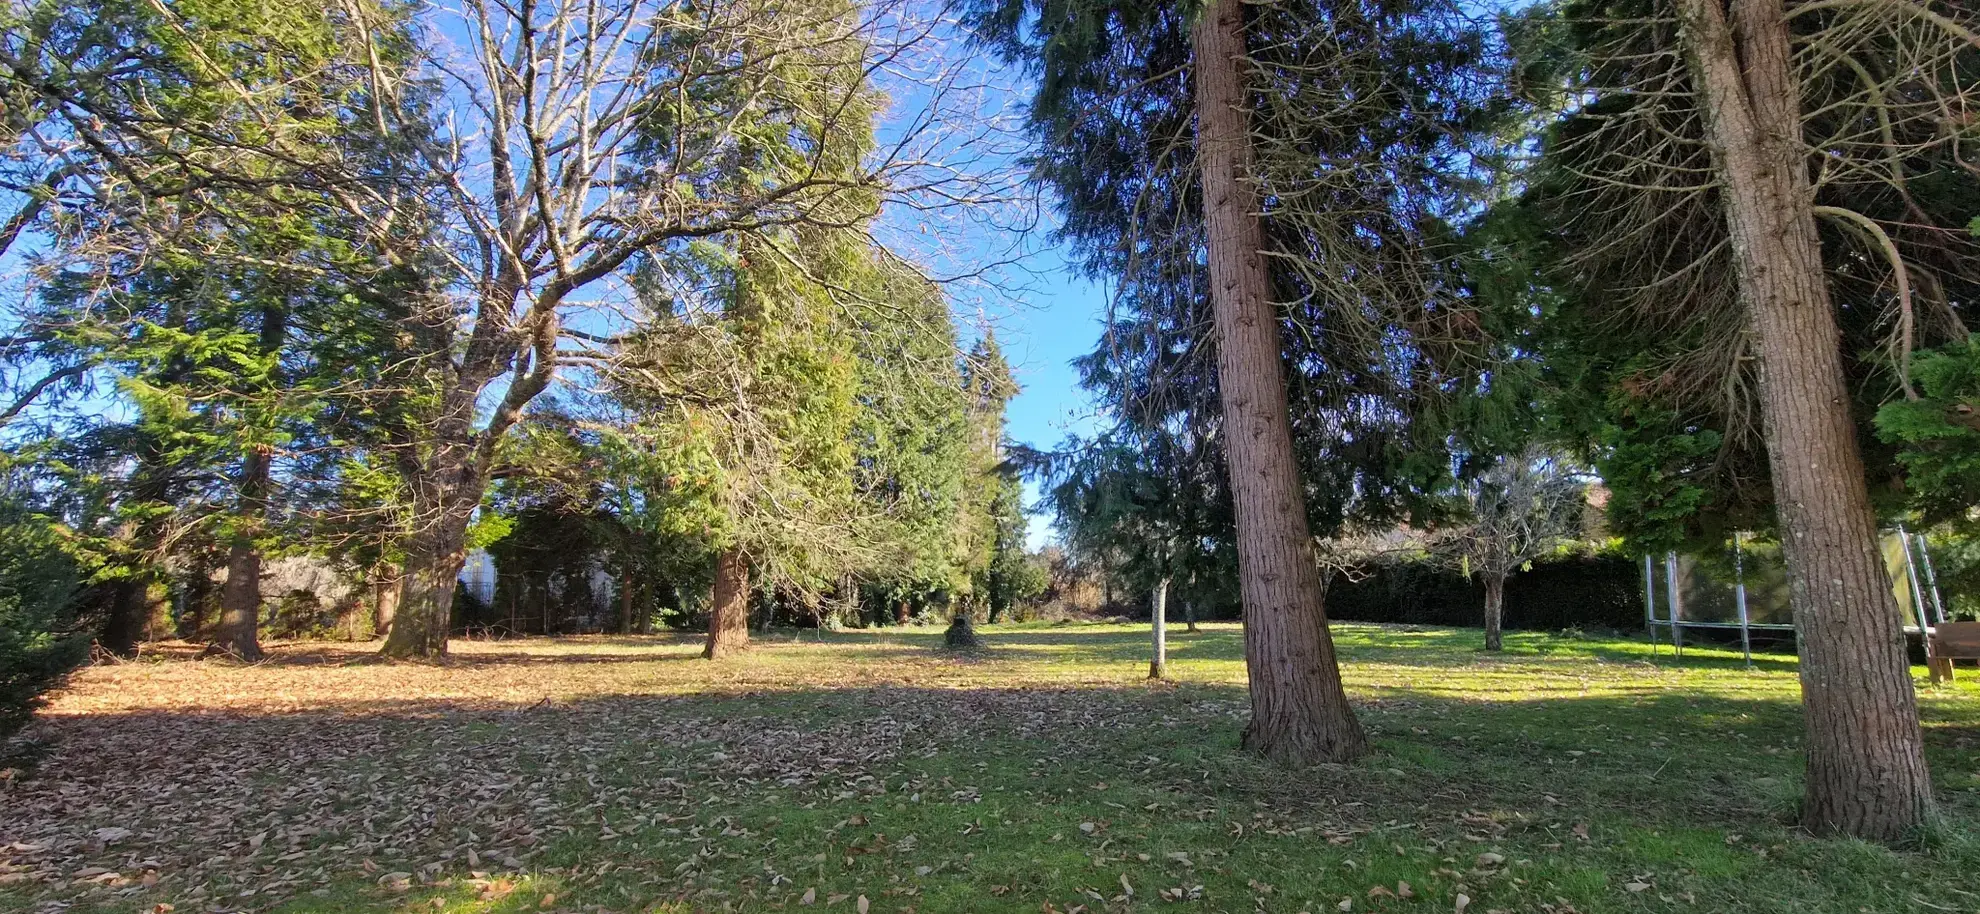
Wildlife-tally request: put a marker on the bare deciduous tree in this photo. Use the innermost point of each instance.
(570, 142)
(1522, 507)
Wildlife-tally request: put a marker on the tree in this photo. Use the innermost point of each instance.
(41, 581)
(769, 126)
(1012, 578)
(1719, 190)
(1337, 268)
(912, 442)
(1866, 762)
(1299, 709)
(1522, 507)
(508, 194)
(159, 154)
(1133, 498)
(755, 388)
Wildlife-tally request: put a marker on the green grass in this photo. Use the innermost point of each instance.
(1570, 774)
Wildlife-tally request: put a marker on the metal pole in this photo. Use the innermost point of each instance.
(1677, 607)
(1650, 604)
(1739, 595)
(1911, 577)
(1931, 579)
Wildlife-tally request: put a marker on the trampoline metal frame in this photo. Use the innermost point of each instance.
(1924, 613)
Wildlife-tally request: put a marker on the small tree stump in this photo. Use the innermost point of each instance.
(961, 635)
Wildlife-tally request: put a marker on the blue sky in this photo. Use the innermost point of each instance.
(1059, 318)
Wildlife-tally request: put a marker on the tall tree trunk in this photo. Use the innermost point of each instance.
(197, 600)
(626, 603)
(728, 610)
(1866, 764)
(239, 632)
(1158, 626)
(1299, 711)
(385, 597)
(1495, 605)
(130, 603)
(1189, 615)
(240, 601)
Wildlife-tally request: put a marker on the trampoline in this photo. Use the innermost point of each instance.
(1684, 592)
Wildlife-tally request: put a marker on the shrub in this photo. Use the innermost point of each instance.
(40, 580)
(1602, 591)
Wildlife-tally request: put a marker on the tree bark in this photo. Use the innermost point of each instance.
(1189, 616)
(728, 610)
(239, 631)
(1866, 766)
(1299, 710)
(447, 488)
(1495, 604)
(130, 602)
(902, 613)
(1158, 625)
(385, 598)
(625, 603)
(197, 601)
(435, 554)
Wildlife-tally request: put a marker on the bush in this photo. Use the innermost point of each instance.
(1603, 591)
(40, 642)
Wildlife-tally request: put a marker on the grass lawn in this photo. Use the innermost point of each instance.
(869, 772)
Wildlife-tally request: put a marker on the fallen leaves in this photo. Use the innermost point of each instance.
(219, 788)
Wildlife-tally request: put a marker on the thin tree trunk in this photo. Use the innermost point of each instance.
(1189, 615)
(1158, 626)
(625, 603)
(1866, 765)
(239, 632)
(1495, 603)
(728, 610)
(198, 601)
(1299, 710)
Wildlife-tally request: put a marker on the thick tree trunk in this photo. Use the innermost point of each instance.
(1158, 626)
(239, 632)
(1299, 711)
(130, 606)
(902, 613)
(447, 488)
(385, 598)
(728, 610)
(424, 616)
(1495, 606)
(1866, 765)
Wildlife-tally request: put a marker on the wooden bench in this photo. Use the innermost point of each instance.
(1951, 641)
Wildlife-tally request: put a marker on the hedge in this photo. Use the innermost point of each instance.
(1586, 592)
